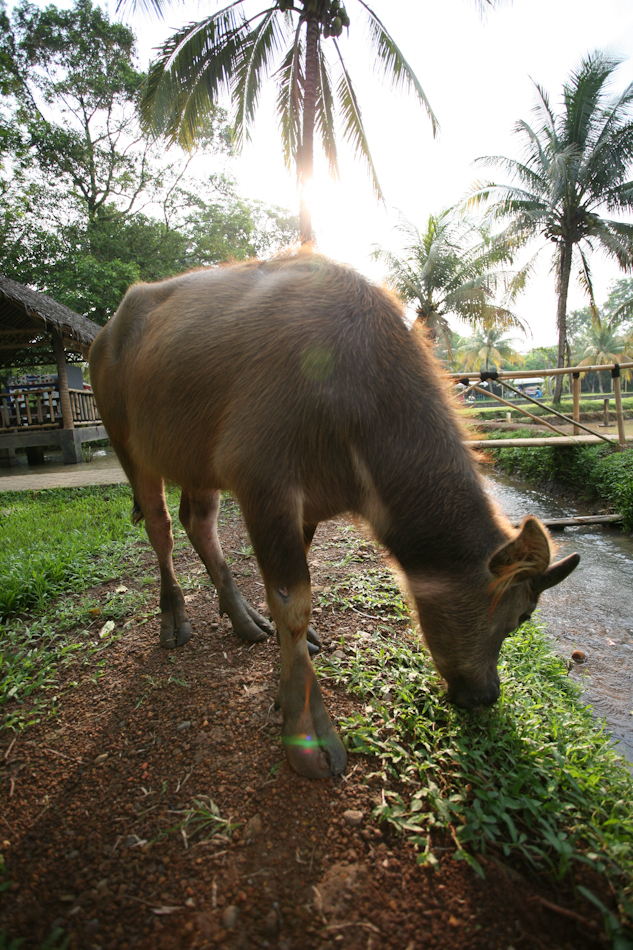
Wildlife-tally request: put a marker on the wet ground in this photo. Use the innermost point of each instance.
(592, 610)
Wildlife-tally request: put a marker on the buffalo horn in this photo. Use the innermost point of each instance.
(555, 574)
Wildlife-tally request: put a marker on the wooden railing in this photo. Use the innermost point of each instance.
(84, 407)
(40, 408)
(503, 376)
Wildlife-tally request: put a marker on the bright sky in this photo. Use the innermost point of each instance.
(477, 75)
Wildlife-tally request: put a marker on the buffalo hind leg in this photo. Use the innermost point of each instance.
(311, 743)
(198, 515)
(149, 504)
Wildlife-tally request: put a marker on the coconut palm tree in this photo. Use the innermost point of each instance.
(604, 344)
(451, 267)
(577, 162)
(487, 347)
(235, 50)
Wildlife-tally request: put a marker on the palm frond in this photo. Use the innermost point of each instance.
(609, 155)
(582, 95)
(253, 64)
(353, 129)
(543, 107)
(619, 196)
(392, 63)
(537, 153)
(585, 281)
(519, 170)
(616, 240)
(324, 119)
(290, 99)
(193, 66)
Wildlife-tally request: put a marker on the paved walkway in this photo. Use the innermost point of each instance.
(71, 476)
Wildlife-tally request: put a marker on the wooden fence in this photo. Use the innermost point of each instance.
(30, 409)
(563, 438)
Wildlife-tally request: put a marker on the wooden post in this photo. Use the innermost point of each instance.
(605, 418)
(615, 375)
(62, 381)
(576, 385)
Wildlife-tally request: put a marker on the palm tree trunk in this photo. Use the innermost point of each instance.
(561, 314)
(306, 162)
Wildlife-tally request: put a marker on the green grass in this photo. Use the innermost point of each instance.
(373, 592)
(55, 546)
(61, 540)
(534, 777)
(544, 409)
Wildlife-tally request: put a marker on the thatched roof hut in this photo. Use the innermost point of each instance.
(28, 322)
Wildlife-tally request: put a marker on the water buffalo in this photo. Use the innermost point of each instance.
(296, 384)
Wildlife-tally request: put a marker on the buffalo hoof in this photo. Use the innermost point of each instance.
(172, 636)
(314, 643)
(310, 741)
(314, 753)
(247, 624)
(260, 621)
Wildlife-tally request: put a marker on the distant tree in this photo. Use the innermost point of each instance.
(577, 323)
(604, 344)
(577, 161)
(451, 268)
(619, 304)
(487, 349)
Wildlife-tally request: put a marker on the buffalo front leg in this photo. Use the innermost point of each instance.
(198, 515)
(149, 503)
(311, 743)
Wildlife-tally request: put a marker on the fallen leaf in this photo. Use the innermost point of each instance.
(121, 589)
(106, 629)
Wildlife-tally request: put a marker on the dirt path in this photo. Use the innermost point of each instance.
(157, 811)
(72, 476)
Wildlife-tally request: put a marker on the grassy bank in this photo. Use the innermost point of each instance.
(533, 777)
(590, 471)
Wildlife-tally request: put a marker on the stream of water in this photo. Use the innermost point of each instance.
(592, 610)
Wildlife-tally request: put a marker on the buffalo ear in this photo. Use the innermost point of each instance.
(556, 573)
(526, 555)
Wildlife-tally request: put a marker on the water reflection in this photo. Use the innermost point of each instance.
(592, 610)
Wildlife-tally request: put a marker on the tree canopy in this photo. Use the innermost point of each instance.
(298, 43)
(90, 203)
(577, 163)
(452, 267)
